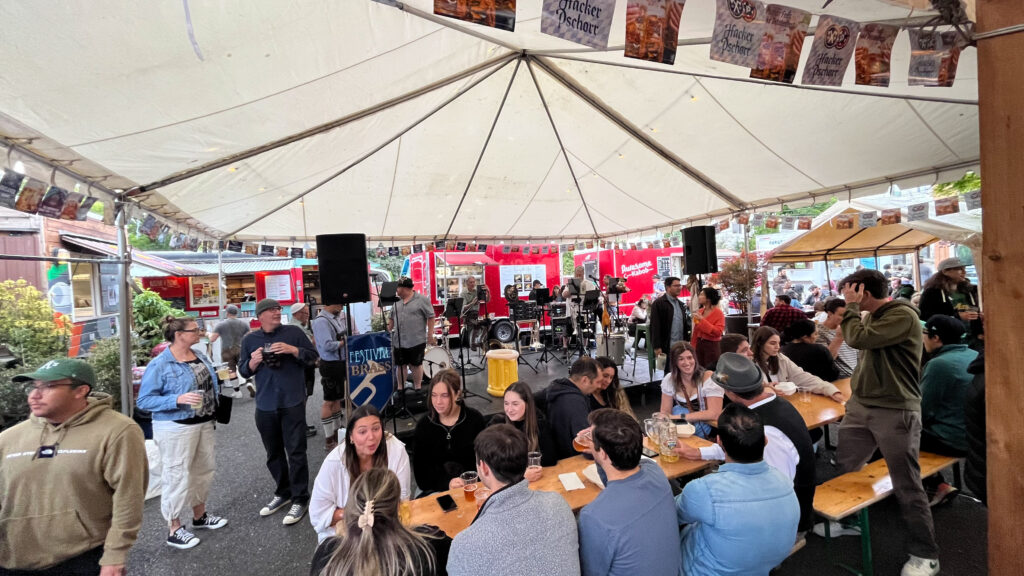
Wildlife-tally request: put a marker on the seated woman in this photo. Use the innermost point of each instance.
(688, 391)
(802, 349)
(609, 393)
(636, 317)
(708, 327)
(521, 412)
(367, 446)
(371, 538)
(444, 438)
(779, 368)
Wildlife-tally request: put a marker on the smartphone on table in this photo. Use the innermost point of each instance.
(446, 502)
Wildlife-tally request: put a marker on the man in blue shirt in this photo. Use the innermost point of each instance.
(329, 330)
(630, 528)
(742, 519)
(276, 356)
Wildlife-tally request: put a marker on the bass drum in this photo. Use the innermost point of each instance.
(435, 359)
(504, 330)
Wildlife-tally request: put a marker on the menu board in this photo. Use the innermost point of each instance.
(522, 277)
(279, 287)
(203, 292)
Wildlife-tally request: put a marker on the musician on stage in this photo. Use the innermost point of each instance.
(471, 307)
(575, 300)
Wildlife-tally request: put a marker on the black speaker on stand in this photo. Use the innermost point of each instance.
(700, 251)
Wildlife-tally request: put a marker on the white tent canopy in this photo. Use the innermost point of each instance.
(281, 120)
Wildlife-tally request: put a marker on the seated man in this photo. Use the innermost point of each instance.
(782, 315)
(737, 343)
(517, 530)
(807, 354)
(630, 528)
(568, 404)
(944, 385)
(742, 519)
(831, 336)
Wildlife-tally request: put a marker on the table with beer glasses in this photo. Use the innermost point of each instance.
(426, 510)
(818, 410)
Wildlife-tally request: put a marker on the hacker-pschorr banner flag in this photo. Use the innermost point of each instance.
(586, 22)
(834, 41)
(739, 28)
(370, 369)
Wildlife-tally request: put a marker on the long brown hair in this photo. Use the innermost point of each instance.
(452, 381)
(614, 395)
(530, 427)
(351, 459)
(948, 285)
(761, 337)
(385, 548)
(697, 378)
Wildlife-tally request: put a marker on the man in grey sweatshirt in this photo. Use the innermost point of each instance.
(517, 530)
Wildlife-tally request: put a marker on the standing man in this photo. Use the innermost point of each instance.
(231, 330)
(329, 331)
(300, 318)
(630, 528)
(574, 291)
(569, 403)
(517, 530)
(779, 283)
(884, 411)
(668, 318)
(831, 337)
(470, 309)
(276, 356)
(73, 478)
(412, 321)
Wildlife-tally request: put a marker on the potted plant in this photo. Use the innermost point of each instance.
(740, 276)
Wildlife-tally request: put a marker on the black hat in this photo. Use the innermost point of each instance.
(950, 330)
(738, 374)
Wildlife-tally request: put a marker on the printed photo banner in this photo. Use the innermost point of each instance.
(677, 241)
(743, 218)
(946, 206)
(933, 57)
(757, 219)
(771, 222)
(234, 246)
(890, 216)
(834, 42)
(265, 249)
(652, 29)
(251, 249)
(31, 195)
(844, 222)
(722, 225)
(586, 22)
(84, 207)
(788, 222)
(782, 40)
(71, 205)
(873, 62)
(500, 14)
(973, 200)
(739, 29)
(804, 223)
(10, 185)
(917, 212)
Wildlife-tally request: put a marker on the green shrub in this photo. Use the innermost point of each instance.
(13, 402)
(28, 326)
(105, 358)
(148, 312)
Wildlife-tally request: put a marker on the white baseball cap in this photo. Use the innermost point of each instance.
(296, 307)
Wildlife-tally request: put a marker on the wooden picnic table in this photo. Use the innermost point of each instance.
(427, 511)
(821, 410)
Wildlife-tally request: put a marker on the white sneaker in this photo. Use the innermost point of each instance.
(836, 529)
(920, 567)
(295, 513)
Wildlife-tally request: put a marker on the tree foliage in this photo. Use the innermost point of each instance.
(739, 276)
(968, 183)
(148, 313)
(28, 325)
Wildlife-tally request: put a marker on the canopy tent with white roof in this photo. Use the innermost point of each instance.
(290, 119)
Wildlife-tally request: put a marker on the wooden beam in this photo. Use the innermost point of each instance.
(1001, 117)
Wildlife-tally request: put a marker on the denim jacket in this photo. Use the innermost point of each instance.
(164, 380)
(740, 521)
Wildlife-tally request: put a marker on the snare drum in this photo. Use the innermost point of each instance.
(435, 359)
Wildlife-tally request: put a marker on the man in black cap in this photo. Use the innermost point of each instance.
(276, 355)
(789, 449)
(412, 320)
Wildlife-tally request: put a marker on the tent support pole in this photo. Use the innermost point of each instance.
(828, 276)
(124, 302)
(917, 269)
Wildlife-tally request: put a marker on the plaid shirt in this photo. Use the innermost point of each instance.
(780, 317)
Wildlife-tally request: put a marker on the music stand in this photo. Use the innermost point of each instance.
(544, 298)
(388, 295)
(453, 309)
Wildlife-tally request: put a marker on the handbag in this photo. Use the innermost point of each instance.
(223, 411)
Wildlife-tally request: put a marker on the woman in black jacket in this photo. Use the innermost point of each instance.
(521, 412)
(444, 438)
(948, 292)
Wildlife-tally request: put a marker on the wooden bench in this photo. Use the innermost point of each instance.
(854, 492)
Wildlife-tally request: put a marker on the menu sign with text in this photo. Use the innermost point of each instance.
(933, 58)
(739, 28)
(10, 183)
(781, 42)
(831, 51)
(652, 29)
(586, 22)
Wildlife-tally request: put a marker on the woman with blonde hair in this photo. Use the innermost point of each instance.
(372, 541)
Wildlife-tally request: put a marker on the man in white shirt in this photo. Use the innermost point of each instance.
(789, 449)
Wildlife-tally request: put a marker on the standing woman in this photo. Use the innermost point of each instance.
(778, 368)
(948, 292)
(687, 390)
(444, 439)
(708, 327)
(371, 539)
(180, 388)
(521, 412)
(367, 446)
(609, 393)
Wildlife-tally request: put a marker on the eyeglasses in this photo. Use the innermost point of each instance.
(42, 387)
(190, 330)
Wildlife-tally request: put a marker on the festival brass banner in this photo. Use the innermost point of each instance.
(10, 184)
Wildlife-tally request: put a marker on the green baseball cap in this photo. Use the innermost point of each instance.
(59, 369)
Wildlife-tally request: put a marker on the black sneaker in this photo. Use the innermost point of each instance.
(182, 539)
(274, 505)
(209, 522)
(295, 513)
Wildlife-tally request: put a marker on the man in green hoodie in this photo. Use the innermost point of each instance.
(884, 410)
(72, 478)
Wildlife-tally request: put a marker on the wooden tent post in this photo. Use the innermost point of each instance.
(1000, 93)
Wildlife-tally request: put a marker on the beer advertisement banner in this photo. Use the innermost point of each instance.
(500, 14)
(973, 200)
(782, 39)
(834, 41)
(844, 222)
(757, 219)
(266, 250)
(481, 248)
(193, 243)
(460, 246)
(804, 223)
(586, 22)
(84, 207)
(917, 212)
(10, 183)
(370, 369)
(933, 58)
(71, 205)
(652, 29)
(789, 222)
(946, 206)
(874, 54)
(739, 28)
(677, 241)
(867, 219)
(891, 216)
(30, 196)
(417, 248)
(234, 246)
(295, 252)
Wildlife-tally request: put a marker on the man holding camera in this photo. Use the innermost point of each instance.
(276, 356)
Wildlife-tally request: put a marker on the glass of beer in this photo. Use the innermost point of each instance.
(668, 440)
(469, 485)
(583, 441)
(533, 460)
(223, 373)
(198, 405)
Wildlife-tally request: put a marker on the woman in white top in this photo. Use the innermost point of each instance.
(778, 368)
(636, 317)
(366, 446)
(687, 390)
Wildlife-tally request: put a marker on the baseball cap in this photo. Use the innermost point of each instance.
(296, 307)
(950, 330)
(266, 304)
(59, 369)
(951, 263)
(231, 309)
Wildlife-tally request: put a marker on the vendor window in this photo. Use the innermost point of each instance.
(82, 290)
